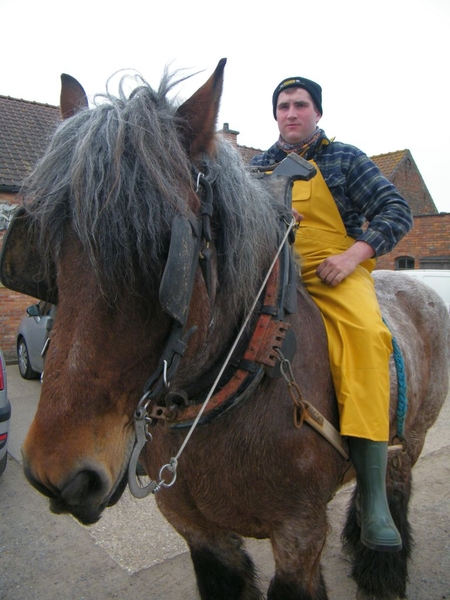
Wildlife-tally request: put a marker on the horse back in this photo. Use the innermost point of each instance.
(420, 323)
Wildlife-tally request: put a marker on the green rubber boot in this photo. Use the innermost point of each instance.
(378, 530)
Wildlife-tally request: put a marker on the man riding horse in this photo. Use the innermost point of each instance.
(338, 255)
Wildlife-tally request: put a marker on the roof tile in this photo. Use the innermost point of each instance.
(25, 130)
(388, 162)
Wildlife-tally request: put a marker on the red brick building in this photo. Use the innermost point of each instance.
(427, 245)
(25, 128)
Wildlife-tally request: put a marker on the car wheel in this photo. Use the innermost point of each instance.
(3, 463)
(24, 361)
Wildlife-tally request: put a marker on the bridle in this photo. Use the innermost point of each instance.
(197, 239)
(191, 243)
(142, 420)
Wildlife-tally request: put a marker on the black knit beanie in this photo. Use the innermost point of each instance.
(312, 87)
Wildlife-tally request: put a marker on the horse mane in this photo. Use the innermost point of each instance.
(119, 173)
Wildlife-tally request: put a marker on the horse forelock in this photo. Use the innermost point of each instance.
(119, 173)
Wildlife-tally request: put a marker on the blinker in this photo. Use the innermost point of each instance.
(178, 278)
(21, 262)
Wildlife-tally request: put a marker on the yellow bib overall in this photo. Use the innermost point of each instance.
(359, 343)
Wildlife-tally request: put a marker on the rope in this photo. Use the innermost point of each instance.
(402, 390)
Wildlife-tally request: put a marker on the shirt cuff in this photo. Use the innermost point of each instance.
(376, 240)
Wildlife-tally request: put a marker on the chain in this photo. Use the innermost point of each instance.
(294, 390)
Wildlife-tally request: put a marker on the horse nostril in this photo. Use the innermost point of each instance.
(86, 486)
(48, 491)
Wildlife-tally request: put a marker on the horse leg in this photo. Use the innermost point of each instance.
(297, 550)
(222, 567)
(383, 575)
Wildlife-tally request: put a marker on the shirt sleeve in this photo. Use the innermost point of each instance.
(387, 213)
(260, 160)
(273, 156)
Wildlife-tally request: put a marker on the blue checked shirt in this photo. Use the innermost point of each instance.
(359, 189)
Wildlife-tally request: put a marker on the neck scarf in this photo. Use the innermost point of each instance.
(301, 148)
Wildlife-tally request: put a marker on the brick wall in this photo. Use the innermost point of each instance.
(13, 306)
(429, 238)
(231, 135)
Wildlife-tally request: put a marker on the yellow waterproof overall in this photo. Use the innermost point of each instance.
(358, 341)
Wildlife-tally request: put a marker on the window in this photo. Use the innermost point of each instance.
(404, 262)
(435, 262)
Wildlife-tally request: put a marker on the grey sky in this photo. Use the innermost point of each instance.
(383, 65)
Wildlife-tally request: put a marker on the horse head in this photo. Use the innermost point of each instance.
(118, 204)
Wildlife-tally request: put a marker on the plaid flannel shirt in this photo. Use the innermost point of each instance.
(360, 191)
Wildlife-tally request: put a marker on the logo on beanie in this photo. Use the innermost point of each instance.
(289, 82)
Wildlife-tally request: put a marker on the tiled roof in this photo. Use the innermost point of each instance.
(388, 162)
(25, 129)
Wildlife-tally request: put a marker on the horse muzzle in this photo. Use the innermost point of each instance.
(85, 493)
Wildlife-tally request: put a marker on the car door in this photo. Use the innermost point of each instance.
(35, 333)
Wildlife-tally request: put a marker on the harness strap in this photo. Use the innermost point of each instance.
(317, 421)
(176, 287)
(268, 336)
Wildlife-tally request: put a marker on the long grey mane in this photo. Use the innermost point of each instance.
(119, 173)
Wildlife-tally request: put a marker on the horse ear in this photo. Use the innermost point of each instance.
(73, 96)
(198, 115)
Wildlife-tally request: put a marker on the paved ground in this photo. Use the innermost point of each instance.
(133, 552)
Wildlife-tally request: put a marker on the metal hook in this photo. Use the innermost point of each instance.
(285, 367)
(165, 366)
(199, 177)
(141, 422)
(141, 405)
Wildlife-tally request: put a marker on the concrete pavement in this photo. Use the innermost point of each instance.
(133, 550)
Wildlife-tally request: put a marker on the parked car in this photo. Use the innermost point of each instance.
(32, 336)
(5, 415)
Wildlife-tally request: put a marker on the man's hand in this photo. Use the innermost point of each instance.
(297, 216)
(334, 269)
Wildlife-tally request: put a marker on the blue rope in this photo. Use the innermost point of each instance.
(402, 391)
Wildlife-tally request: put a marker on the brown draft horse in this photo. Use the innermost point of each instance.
(107, 200)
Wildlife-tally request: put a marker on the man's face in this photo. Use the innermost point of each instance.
(297, 117)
